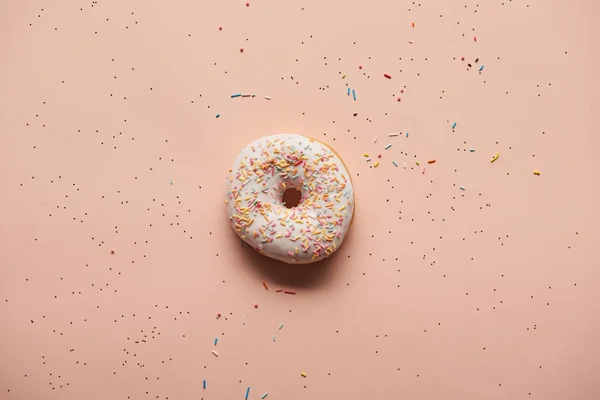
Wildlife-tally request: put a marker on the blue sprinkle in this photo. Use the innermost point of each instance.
(394, 162)
(236, 95)
(454, 125)
(204, 384)
(388, 146)
(406, 134)
(218, 115)
(216, 340)
(354, 94)
(481, 68)
(348, 91)
(247, 392)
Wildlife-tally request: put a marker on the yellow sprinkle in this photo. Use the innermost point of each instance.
(416, 162)
(495, 157)
(303, 374)
(366, 155)
(376, 164)
(342, 208)
(344, 76)
(536, 172)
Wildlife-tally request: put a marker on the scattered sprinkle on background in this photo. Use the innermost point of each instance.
(461, 279)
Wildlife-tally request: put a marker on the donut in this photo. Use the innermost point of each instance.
(261, 207)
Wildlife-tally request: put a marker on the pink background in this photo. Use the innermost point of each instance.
(438, 293)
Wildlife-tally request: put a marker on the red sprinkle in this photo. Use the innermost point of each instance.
(218, 315)
(220, 28)
(475, 38)
(279, 290)
(241, 49)
(401, 90)
(112, 252)
(289, 292)
(247, 4)
(256, 306)
(387, 76)
(462, 59)
(399, 99)
(360, 67)
(265, 285)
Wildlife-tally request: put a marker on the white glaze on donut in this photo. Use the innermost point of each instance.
(263, 171)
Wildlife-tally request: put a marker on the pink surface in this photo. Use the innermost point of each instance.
(109, 141)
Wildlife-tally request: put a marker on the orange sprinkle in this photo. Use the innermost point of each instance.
(265, 285)
(431, 161)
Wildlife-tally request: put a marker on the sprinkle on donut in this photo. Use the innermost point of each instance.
(263, 171)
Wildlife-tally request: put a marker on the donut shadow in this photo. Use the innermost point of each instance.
(291, 276)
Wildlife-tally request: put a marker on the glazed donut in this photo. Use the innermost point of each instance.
(264, 174)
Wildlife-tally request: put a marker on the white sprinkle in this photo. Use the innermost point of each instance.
(462, 188)
(393, 134)
(410, 41)
(375, 141)
(215, 353)
(268, 97)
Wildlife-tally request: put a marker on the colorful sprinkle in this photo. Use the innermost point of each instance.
(472, 150)
(462, 188)
(536, 172)
(495, 157)
(303, 374)
(247, 392)
(216, 340)
(393, 134)
(388, 146)
(416, 162)
(354, 94)
(454, 125)
(394, 162)
(431, 161)
(265, 285)
(481, 68)
(236, 95)
(387, 76)
(280, 326)
(289, 292)
(344, 76)
(218, 115)
(376, 164)
(406, 134)
(410, 41)
(204, 384)
(279, 290)
(268, 97)
(366, 155)
(348, 91)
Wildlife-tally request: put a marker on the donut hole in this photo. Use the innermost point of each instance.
(291, 197)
